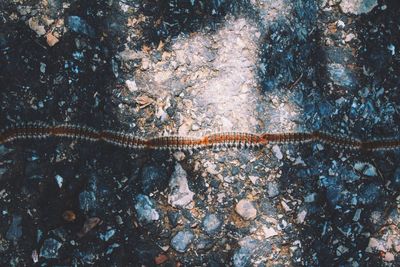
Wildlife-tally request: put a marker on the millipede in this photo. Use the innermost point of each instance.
(39, 130)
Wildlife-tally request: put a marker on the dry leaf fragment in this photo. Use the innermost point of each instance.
(69, 216)
(144, 101)
(88, 225)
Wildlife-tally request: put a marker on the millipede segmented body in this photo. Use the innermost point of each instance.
(35, 131)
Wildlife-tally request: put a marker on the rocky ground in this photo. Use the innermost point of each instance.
(192, 67)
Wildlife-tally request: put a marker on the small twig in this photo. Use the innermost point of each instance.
(296, 82)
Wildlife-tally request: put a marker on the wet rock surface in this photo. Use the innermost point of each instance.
(189, 68)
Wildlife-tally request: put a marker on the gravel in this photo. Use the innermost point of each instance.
(153, 68)
(181, 241)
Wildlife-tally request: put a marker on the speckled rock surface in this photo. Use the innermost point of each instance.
(192, 67)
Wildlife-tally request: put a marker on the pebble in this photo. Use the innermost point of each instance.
(79, 25)
(181, 241)
(301, 216)
(246, 209)
(180, 195)
(242, 256)
(310, 198)
(269, 232)
(160, 259)
(15, 230)
(59, 180)
(211, 223)
(87, 201)
(36, 27)
(388, 257)
(50, 249)
(273, 189)
(277, 152)
(131, 84)
(358, 7)
(145, 209)
(179, 156)
(349, 37)
(340, 75)
(51, 39)
(107, 235)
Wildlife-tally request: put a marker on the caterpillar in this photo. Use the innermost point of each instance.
(33, 131)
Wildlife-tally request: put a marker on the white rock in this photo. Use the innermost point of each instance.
(131, 84)
(358, 7)
(34, 25)
(269, 231)
(246, 209)
(277, 152)
(59, 180)
(180, 195)
(388, 257)
(301, 216)
(349, 37)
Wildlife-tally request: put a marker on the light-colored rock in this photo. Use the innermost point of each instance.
(246, 209)
(180, 194)
(277, 152)
(358, 7)
(36, 27)
(269, 232)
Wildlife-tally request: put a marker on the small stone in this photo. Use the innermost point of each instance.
(370, 170)
(87, 201)
(107, 235)
(211, 224)
(145, 209)
(358, 7)
(195, 127)
(88, 225)
(34, 25)
(248, 247)
(180, 195)
(131, 84)
(340, 75)
(357, 215)
(349, 37)
(59, 180)
(301, 216)
(145, 64)
(179, 156)
(253, 179)
(340, 24)
(181, 241)
(69, 216)
(51, 39)
(310, 198)
(79, 25)
(277, 152)
(160, 259)
(341, 250)
(15, 230)
(269, 232)
(50, 249)
(273, 189)
(388, 257)
(246, 209)
(374, 245)
(204, 244)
